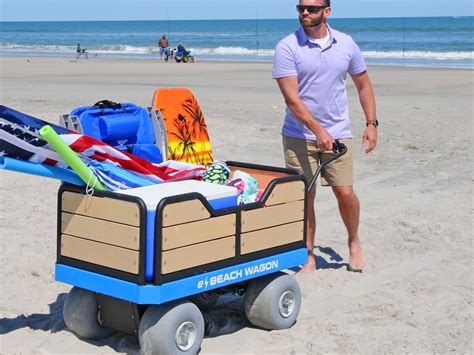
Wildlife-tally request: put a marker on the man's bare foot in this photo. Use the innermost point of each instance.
(356, 257)
(310, 265)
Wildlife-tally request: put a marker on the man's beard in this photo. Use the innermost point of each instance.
(313, 23)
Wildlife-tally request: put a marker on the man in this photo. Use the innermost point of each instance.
(310, 66)
(163, 44)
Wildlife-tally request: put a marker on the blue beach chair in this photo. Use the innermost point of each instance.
(125, 126)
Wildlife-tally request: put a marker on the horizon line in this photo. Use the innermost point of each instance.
(242, 19)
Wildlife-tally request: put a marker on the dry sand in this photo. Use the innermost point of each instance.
(416, 293)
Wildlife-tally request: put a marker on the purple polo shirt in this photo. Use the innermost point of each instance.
(321, 76)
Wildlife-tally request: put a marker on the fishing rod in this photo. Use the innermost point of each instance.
(256, 28)
(168, 19)
(403, 40)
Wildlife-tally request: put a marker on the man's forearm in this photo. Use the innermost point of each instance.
(367, 101)
(289, 89)
(302, 113)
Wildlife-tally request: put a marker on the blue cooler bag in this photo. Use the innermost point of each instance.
(124, 126)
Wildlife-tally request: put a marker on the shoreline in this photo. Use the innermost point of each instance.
(199, 60)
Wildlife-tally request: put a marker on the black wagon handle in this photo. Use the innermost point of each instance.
(339, 149)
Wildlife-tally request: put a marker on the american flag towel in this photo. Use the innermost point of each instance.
(19, 139)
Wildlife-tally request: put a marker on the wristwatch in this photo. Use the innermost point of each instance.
(374, 122)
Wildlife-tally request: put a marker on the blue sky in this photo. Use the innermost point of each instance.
(65, 10)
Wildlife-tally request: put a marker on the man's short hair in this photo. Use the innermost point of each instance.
(328, 2)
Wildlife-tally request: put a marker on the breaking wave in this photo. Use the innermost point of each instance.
(453, 58)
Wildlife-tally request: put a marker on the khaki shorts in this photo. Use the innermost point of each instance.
(305, 156)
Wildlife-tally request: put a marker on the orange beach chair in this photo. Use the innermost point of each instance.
(188, 136)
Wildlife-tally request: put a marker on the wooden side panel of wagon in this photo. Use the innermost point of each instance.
(101, 234)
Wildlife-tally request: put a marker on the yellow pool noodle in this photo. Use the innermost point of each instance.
(76, 164)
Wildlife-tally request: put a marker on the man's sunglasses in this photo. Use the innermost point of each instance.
(310, 8)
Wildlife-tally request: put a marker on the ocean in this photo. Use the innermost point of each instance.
(422, 42)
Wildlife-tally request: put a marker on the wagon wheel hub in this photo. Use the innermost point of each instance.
(286, 304)
(185, 336)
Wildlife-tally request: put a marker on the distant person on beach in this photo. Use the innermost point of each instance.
(163, 44)
(310, 66)
(81, 51)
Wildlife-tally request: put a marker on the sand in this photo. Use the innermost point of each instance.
(416, 294)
